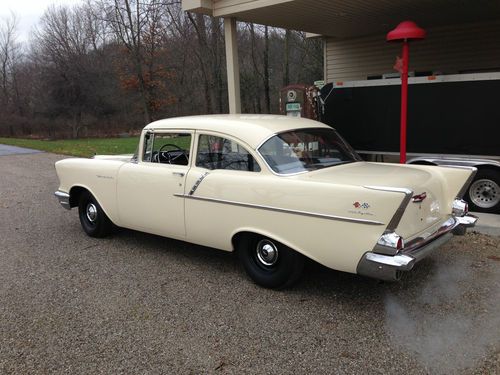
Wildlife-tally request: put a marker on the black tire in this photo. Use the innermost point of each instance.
(483, 194)
(280, 272)
(94, 220)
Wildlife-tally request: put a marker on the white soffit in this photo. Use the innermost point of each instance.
(348, 18)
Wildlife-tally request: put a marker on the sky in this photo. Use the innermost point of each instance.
(28, 12)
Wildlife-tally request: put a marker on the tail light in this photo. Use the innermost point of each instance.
(400, 243)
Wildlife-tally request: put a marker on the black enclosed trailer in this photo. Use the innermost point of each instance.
(452, 120)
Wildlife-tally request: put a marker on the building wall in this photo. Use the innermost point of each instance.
(450, 50)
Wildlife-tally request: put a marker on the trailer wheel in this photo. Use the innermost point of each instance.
(483, 194)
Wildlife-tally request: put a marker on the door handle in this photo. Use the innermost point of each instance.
(180, 174)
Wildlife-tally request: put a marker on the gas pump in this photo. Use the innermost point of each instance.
(299, 101)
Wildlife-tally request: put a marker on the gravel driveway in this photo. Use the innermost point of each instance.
(139, 304)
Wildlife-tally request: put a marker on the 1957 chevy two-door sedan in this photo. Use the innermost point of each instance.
(275, 190)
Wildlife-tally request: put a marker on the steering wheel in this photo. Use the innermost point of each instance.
(166, 154)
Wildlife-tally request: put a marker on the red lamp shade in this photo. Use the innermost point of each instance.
(406, 30)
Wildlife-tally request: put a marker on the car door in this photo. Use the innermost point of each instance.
(224, 170)
(149, 192)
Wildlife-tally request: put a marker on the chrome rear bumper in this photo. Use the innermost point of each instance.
(389, 267)
(63, 199)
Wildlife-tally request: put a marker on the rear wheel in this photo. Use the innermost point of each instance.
(269, 263)
(483, 194)
(94, 220)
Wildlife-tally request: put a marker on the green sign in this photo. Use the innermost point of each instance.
(293, 107)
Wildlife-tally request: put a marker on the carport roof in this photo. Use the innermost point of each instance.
(343, 19)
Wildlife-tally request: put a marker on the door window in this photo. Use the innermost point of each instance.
(222, 153)
(167, 148)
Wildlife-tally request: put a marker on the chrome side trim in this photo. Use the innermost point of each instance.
(455, 160)
(284, 210)
(63, 199)
(393, 224)
(198, 182)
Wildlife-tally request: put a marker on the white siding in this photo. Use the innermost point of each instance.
(451, 49)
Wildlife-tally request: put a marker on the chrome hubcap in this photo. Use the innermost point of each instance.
(91, 212)
(267, 253)
(485, 193)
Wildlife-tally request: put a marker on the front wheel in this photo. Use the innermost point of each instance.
(483, 194)
(269, 263)
(94, 220)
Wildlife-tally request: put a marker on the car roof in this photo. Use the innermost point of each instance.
(252, 129)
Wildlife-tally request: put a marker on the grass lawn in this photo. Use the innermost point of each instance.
(79, 147)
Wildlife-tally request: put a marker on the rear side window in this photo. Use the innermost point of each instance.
(222, 153)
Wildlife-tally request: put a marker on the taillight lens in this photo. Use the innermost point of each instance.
(400, 243)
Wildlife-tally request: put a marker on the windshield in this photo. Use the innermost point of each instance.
(306, 150)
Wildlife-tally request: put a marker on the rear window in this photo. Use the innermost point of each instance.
(306, 150)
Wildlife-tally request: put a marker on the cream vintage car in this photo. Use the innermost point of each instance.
(274, 189)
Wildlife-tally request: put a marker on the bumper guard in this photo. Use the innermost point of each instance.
(63, 199)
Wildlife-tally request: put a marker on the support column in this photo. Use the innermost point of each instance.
(233, 67)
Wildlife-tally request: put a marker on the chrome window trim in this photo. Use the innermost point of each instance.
(283, 210)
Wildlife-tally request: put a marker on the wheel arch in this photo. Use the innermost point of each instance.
(241, 233)
(474, 196)
(75, 193)
(484, 166)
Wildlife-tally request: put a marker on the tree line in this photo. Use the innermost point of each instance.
(105, 67)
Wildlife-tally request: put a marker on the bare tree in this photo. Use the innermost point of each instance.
(137, 25)
(286, 60)
(108, 66)
(64, 42)
(267, 95)
(9, 49)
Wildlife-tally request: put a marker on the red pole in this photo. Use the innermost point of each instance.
(404, 102)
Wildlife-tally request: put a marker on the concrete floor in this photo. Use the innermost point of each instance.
(487, 223)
